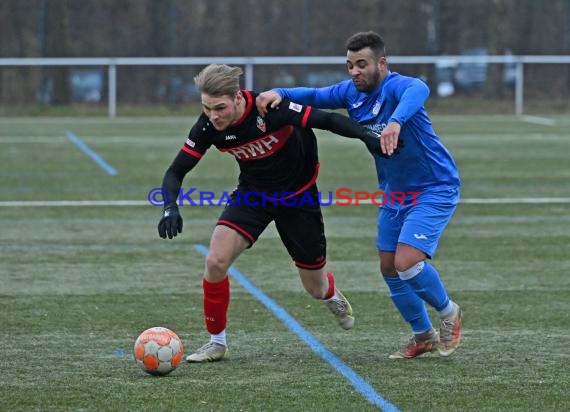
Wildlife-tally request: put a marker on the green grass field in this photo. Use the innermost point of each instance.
(79, 283)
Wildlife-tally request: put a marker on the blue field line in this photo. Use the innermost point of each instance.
(356, 380)
(91, 153)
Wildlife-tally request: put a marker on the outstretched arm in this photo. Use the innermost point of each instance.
(344, 126)
(330, 97)
(308, 117)
(171, 222)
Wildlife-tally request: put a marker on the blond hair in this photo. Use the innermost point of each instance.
(218, 80)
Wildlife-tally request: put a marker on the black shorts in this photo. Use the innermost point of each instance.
(298, 220)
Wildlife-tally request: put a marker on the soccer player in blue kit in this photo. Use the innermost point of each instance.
(413, 160)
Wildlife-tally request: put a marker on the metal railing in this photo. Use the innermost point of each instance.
(250, 62)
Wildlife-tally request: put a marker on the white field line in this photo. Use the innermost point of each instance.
(74, 203)
(160, 139)
(216, 202)
(185, 120)
(32, 139)
(515, 200)
(538, 120)
(100, 139)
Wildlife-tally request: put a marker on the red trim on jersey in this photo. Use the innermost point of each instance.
(192, 152)
(237, 229)
(301, 190)
(306, 117)
(313, 267)
(248, 106)
(309, 183)
(262, 147)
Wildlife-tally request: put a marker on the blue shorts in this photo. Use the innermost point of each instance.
(419, 225)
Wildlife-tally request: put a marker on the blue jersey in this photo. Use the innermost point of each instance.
(422, 164)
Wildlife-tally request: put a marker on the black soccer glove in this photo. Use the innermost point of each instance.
(171, 222)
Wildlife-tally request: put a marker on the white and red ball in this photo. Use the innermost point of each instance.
(158, 351)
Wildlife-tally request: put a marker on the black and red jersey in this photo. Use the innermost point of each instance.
(276, 153)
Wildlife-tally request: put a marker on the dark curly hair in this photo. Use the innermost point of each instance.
(359, 41)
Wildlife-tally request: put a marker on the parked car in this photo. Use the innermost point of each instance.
(87, 85)
(471, 75)
(444, 74)
(452, 75)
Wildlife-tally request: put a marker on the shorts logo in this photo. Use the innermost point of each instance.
(261, 124)
(296, 107)
(420, 236)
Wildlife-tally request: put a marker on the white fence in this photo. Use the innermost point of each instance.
(250, 62)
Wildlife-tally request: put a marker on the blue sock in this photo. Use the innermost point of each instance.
(410, 306)
(425, 282)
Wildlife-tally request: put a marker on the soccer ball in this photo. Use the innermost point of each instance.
(158, 351)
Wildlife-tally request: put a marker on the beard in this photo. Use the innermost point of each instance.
(370, 83)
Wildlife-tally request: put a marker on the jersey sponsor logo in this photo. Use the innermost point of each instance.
(190, 143)
(258, 149)
(263, 147)
(376, 127)
(261, 124)
(231, 137)
(296, 107)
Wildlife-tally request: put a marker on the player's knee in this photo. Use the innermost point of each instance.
(404, 263)
(407, 256)
(217, 265)
(410, 271)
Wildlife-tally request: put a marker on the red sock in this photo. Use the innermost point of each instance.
(330, 292)
(216, 303)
